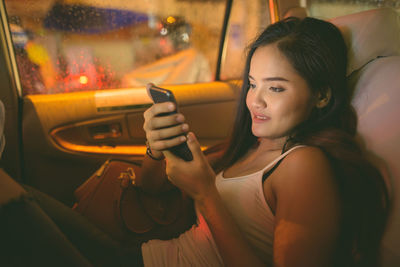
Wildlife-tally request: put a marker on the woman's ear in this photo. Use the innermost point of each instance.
(323, 98)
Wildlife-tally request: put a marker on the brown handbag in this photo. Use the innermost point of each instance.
(110, 200)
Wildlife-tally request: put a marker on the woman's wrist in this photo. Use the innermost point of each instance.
(153, 154)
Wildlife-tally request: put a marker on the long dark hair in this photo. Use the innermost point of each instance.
(317, 51)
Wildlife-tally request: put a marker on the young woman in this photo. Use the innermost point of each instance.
(293, 187)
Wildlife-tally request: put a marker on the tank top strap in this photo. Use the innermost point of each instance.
(281, 157)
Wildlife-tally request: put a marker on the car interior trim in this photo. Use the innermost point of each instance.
(9, 48)
(120, 108)
(273, 10)
(222, 43)
(121, 99)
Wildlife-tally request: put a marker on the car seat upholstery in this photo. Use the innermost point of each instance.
(373, 39)
(14, 191)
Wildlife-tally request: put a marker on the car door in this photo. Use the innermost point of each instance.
(75, 77)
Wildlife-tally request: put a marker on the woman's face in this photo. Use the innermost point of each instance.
(278, 98)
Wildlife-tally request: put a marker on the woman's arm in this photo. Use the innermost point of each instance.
(152, 177)
(307, 210)
(161, 132)
(197, 179)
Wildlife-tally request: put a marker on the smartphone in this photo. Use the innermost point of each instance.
(160, 95)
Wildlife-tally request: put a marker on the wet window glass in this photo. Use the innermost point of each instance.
(70, 45)
(327, 9)
(246, 21)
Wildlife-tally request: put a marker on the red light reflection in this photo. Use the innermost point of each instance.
(83, 79)
(84, 72)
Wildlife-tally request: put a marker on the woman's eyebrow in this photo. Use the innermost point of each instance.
(275, 79)
(269, 79)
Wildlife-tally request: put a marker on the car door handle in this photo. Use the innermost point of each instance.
(105, 131)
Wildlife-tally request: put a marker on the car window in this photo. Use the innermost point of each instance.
(247, 19)
(68, 46)
(327, 9)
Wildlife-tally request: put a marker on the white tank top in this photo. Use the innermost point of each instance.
(244, 198)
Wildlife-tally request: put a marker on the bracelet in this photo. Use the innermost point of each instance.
(148, 152)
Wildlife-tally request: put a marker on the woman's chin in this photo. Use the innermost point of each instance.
(259, 134)
(268, 135)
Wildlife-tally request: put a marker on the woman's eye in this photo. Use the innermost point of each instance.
(276, 89)
(252, 86)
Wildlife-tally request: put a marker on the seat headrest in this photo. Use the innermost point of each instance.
(369, 34)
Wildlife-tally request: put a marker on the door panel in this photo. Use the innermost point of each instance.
(67, 136)
(104, 136)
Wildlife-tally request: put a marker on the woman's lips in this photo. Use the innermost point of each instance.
(259, 118)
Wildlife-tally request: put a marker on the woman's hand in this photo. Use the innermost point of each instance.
(163, 132)
(195, 177)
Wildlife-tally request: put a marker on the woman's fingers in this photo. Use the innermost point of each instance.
(165, 121)
(158, 109)
(163, 132)
(167, 133)
(161, 145)
(153, 120)
(194, 145)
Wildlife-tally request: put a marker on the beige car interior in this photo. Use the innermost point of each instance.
(68, 138)
(373, 39)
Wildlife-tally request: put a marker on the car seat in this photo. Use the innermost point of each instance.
(373, 39)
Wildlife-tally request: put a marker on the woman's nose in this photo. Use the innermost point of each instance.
(258, 100)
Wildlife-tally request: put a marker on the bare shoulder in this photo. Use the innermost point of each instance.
(306, 170)
(305, 161)
(308, 156)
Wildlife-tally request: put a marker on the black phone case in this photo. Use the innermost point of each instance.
(160, 95)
